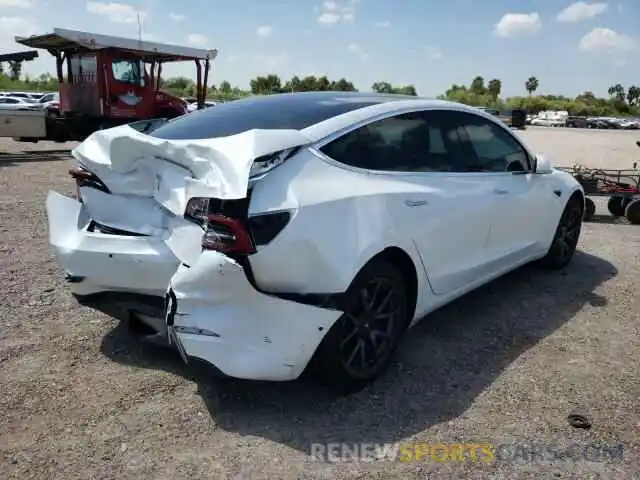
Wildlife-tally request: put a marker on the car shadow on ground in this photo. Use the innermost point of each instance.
(444, 363)
(8, 159)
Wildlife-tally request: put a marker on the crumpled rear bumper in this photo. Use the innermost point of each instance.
(95, 262)
(216, 315)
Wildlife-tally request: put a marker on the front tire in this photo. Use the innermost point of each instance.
(565, 240)
(589, 209)
(361, 344)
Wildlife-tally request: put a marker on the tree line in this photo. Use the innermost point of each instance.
(621, 100)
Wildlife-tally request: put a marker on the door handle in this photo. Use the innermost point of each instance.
(500, 191)
(415, 203)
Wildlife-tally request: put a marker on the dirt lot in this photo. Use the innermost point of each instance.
(82, 399)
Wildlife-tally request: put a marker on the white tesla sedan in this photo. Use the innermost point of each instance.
(274, 233)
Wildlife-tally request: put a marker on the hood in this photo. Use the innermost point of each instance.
(173, 171)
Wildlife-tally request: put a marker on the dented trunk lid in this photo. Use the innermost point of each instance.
(149, 180)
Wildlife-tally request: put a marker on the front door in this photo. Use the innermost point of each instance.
(523, 199)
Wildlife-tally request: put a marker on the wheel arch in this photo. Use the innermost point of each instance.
(578, 194)
(400, 259)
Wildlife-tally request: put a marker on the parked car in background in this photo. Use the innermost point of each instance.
(551, 118)
(514, 118)
(50, 103)
(280, 232)
(17, 103)
(630, 124)
(27, 96)
(49, 97)
(576, 122)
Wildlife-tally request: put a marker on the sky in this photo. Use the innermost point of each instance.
(569, 46)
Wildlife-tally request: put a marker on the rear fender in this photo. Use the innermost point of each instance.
(332, 233)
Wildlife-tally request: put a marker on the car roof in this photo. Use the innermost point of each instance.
(379, 105)
(315, 114)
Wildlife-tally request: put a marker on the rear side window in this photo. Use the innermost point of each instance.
(282, 111)
(413, 142)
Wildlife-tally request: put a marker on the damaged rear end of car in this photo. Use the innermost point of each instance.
(161, 230)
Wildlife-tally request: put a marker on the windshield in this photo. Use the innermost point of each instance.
(281, 111)
(128, 71)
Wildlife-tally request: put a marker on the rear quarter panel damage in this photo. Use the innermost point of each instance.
(340, 220)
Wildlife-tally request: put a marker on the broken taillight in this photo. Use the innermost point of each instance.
(227, 227)
(227, 235)
(85, 178)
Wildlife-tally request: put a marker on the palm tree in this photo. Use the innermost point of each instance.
(617, 91)
(494, 87)
(15, 69)
(531, 85)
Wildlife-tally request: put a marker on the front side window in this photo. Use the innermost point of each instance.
(493, 148)
(413, 142)
(127, 71)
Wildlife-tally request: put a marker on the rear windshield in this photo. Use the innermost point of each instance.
(281, 111)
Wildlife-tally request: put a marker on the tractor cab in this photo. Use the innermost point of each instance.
(106, 81)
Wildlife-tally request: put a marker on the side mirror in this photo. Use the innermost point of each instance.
(542, 164)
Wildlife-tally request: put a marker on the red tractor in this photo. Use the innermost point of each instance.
(104, 81)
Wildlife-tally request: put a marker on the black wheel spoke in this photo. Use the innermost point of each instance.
(363, 355)
(367, 333)
(374, 295)
(364, 297)
(385, 315)
(384, 302)
(350, 336)
(378, 339)
(359, 346)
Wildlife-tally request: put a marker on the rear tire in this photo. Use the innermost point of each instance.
(360, 345)
(565, 240)
(633, 212)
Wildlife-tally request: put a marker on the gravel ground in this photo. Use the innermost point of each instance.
(82, 399)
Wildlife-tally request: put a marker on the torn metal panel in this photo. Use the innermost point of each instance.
(130, 162)
(107, 262)
(247, 334)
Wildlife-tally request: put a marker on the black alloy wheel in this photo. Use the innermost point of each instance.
(567, 235)
(361, 344)
(367, 332)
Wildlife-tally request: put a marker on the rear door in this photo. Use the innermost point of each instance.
(453, 226)
(419, 166)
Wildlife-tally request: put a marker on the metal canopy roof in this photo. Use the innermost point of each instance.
(62, 39)
(19, 56)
